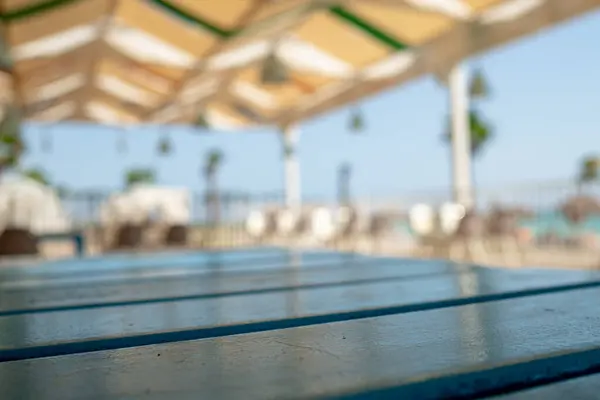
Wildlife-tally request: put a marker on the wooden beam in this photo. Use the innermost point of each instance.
(199, 68)
(229, 76)
(83, 96)
(463, 41)
(16, 95)
(33, 73)
(103, 28)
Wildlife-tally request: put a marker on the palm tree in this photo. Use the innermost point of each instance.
(589, 169)
(481, 131)
(38, 175)
(11, 142)
(212, 162)
(139, 175)
(344, 176)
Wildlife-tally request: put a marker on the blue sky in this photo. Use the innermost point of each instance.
(545, 109)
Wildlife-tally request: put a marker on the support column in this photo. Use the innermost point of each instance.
(461, 136)
(290, 136)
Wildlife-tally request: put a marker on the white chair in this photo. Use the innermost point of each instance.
(322, 224)
(422, 219)
(287, 222)
(450, 216)
(259, 224)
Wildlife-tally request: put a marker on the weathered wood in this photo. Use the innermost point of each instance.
(460, 351)
(275, 324)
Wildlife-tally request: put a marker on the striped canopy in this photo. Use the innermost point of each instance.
(171, 61)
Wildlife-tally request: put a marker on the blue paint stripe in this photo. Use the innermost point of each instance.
(123, 342)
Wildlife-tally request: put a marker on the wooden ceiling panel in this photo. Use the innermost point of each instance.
(138, 14)
(334, 37)
(38, 66)
(101, 96)
(168, 74)
(409, 25)
(121, 114)
(33, 82)
(12, 5)
(225, 14)
(283, 94)
(56, 20)
(309, 81)
(275, 7)
(481, 5)
(6, 89)
(225, 110)
(137, 77)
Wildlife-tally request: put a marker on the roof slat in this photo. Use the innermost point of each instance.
(172, 55)
(13, 14)
(55, 20)
(368, 28)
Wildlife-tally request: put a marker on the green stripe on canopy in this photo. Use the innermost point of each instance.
(367, 28)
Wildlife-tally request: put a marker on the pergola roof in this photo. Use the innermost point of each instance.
(129, 61)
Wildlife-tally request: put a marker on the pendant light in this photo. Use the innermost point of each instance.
(46, 144)
(201, 120)
(165, 146)
(121, 143)
(6, 62)
(274, 71)
(11, 142)
(356, 124)
(478, 87)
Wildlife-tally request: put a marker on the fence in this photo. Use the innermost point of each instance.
(537, 204)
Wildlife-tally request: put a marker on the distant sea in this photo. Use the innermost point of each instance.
(542, 224)
(556, 223)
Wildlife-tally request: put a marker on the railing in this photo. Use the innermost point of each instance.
(537, 204)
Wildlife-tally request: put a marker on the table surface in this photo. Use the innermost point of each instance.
(273, 324)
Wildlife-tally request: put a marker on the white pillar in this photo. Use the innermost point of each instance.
(290, 136)
(461, 137)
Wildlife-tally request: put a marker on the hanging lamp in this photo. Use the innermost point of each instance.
(356, 123)
(121, 142)
(201, 120)
(6, 62)
(46, 144)
(478, 87)
(11, 142)
(274, 71)
(165, 146)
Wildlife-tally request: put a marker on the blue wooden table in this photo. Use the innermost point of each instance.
(272, 324)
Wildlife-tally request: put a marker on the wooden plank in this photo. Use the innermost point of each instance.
(39, 71)
(56, 333)
(140, 78)
(225, 14)
(138, 14)
(410, 25)
(482, 5)
(247, 259)
(470, 350)
(11, 5)
(332, 36)
(55, 21)
(199, 284)
(173, 269)
(583, 388)
(273, 8)
(84, 95)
